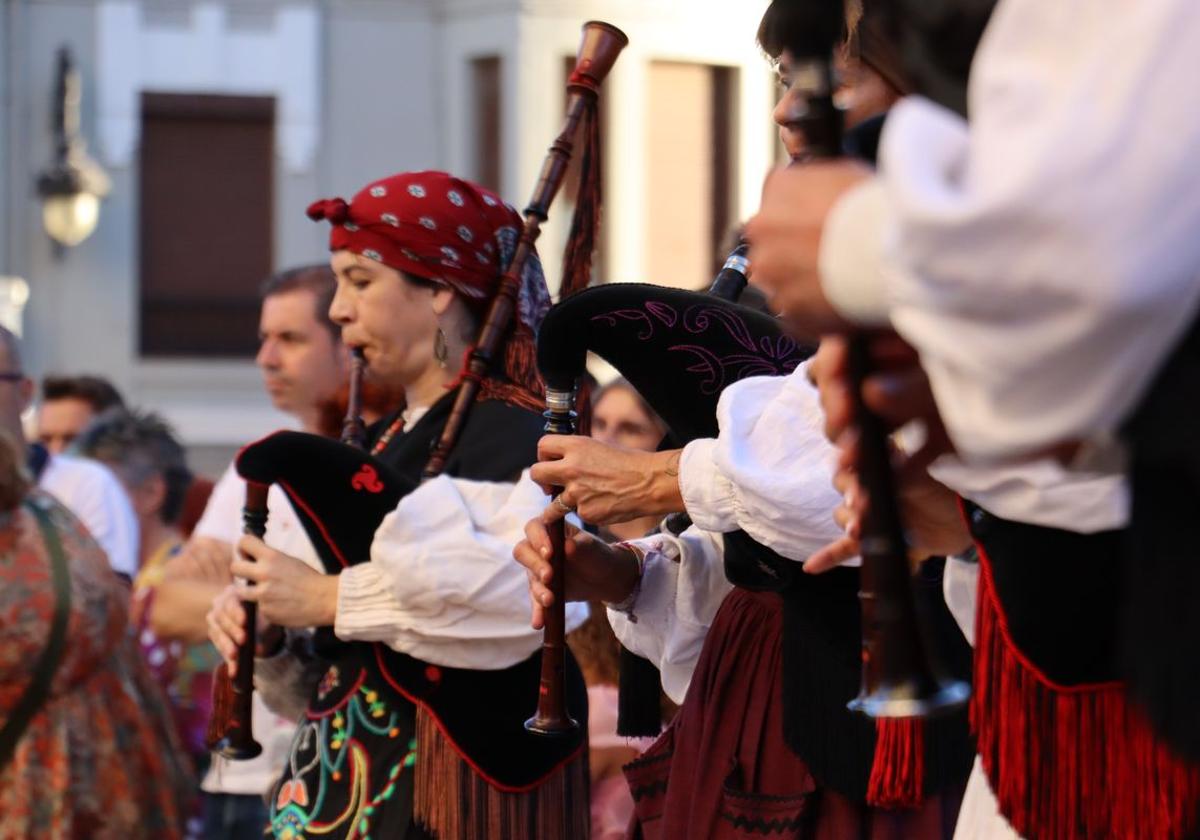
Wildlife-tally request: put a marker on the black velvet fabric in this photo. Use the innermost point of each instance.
(1061, 593)
(1160, 645)
(496, 444)
(639, 711)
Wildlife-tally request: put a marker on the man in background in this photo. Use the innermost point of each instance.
(68, 404)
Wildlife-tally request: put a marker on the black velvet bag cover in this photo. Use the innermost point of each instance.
(679, 349)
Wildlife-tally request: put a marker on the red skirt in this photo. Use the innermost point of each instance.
(722, 769)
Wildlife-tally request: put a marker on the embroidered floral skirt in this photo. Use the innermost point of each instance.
(350, 769)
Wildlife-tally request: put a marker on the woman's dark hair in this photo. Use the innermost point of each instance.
(919, 46)
(937, 40)
(865, 30)
(792, 24)
(477, 308)
(137, 445)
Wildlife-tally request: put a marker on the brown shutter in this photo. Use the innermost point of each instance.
(206, 232)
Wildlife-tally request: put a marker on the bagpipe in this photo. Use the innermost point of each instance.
(341, 494)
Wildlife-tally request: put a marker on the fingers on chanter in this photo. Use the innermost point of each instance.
(539, 539)
(552, 514)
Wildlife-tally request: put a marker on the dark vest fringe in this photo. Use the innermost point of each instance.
(453, 802)
(1069, 762)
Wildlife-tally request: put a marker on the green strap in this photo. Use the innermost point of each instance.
(47, 665)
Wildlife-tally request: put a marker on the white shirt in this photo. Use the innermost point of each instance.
(769, 472)
(90, 491)
(1047, 257)
(683, 585)
(441, 584)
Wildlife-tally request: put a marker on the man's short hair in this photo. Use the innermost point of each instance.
(96, 391)
(138, 444)
(318, 279)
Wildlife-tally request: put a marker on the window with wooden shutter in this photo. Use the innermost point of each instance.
(206, 222)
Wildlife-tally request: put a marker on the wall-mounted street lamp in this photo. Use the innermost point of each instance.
(72, 187)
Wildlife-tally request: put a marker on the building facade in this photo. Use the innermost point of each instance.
(218, 121)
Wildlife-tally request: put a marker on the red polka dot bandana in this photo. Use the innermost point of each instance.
(439, 227)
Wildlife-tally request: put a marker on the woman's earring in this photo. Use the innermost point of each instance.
(440, 350)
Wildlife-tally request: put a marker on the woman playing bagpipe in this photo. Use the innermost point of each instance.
(426, 667)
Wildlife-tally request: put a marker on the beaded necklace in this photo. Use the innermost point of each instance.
(407, 417)
(388, 433)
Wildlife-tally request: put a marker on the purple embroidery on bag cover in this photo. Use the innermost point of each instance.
(769, 356)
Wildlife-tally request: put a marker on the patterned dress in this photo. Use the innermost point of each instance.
(185, 671)
(99, 759)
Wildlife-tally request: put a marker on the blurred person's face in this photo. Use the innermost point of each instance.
(861, 93)
(302, 363)
(60, 421)
(395, 322)
(618, 419)
(16, 392)
(789, 109)
(147, 496)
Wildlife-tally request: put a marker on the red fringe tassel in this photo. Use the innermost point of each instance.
(898, 771)
(1070, 762)
(222, 706)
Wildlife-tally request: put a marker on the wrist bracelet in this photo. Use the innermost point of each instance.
(626, 604)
